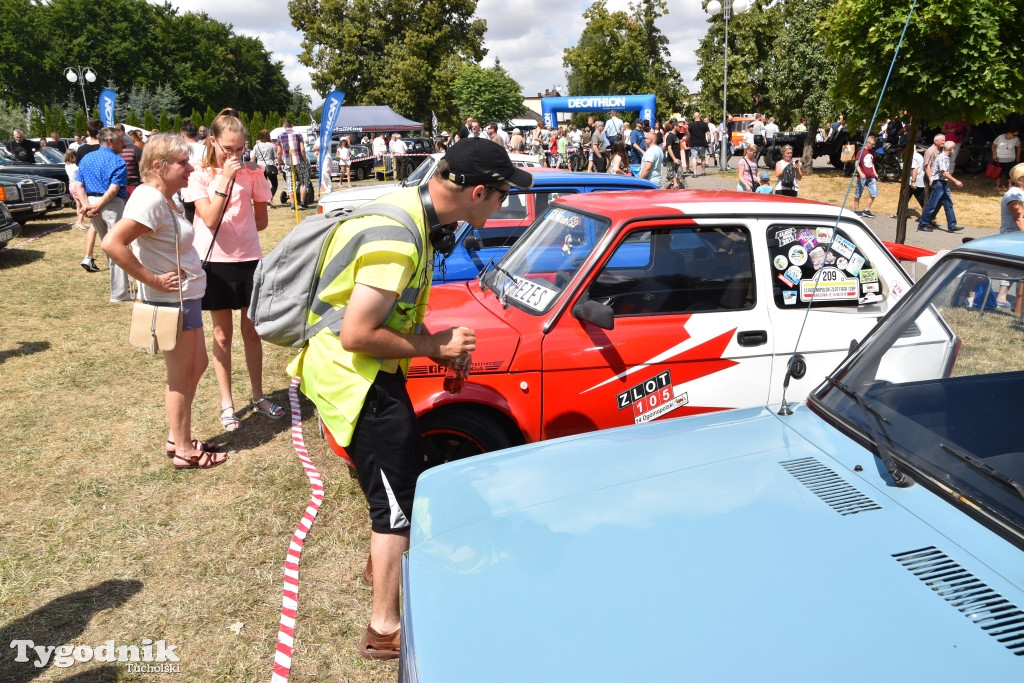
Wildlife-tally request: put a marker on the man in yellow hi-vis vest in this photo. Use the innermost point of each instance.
(380, 272)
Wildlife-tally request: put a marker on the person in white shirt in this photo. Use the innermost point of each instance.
(1006, 153)
(770, 129)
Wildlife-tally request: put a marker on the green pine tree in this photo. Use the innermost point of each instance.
(165, 122)
(148, 120)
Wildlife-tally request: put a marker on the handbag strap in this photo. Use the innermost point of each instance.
(177, 254)
(220, 220)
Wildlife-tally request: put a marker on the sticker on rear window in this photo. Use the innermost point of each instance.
(830, 284)
(530, 294)
(780, 262)
(797, 255)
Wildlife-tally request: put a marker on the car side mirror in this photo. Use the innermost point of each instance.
(595, 313)
(472, 243)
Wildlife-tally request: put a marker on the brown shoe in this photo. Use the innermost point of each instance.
(380, 646)
(368, 572)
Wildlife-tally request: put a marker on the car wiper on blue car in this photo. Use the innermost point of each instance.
(984, 468)
(886, 451)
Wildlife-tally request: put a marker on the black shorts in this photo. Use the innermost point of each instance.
(388, 453)
(228, 285)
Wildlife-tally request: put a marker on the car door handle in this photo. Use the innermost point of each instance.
(752, 338)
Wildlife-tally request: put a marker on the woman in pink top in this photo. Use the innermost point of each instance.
(230, 247)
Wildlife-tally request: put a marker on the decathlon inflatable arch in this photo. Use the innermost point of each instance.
(642, 104)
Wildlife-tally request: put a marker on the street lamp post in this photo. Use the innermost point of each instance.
(81, 75)
(714, 7)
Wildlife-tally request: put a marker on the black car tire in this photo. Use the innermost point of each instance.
(359, 173)
(451, 435)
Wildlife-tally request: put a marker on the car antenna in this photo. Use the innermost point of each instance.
(795, 361)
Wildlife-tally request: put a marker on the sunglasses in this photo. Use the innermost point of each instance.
(502, 194)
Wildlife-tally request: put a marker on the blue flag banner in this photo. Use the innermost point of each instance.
(107, 98)
(328, 117)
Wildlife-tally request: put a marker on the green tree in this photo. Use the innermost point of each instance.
(164, 123)
(176, 124)
(797, 87)
(388, 51)
(256, 124)
(80, 122)
(148, 120)
(11, 117)
(624, 52)
(752, 58)
(487, 94)
(133, 119)
(958, 63)
(208, 116)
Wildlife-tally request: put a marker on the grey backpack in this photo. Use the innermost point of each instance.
(286, 282)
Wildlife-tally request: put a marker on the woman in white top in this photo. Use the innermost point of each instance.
(264, 153)
(619, 165)
(1006, 153)
(345, 162)
(169, 273)
(780, 167)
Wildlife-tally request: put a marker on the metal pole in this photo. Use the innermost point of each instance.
(727, 9)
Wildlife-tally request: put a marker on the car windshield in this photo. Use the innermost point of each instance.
(535, 271)
(51, 155)
(937, 386)
(421, 174)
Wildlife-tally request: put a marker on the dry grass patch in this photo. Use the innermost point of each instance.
(976, 205)
(104, 540)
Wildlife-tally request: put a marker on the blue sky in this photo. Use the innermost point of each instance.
(528, 37)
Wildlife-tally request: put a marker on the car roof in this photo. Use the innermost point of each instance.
(1010, 244)
(550, 177)
(718, 202)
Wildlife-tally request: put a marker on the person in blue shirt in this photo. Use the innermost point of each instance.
(100, 188)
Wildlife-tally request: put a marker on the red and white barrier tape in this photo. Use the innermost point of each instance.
(39, 236)
(290, 592)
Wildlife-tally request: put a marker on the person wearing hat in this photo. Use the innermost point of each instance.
(380, 273)
(765, 186)
(748, 136)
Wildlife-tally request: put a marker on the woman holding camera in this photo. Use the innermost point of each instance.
(780, 168)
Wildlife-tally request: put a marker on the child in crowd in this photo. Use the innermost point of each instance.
(764, 187)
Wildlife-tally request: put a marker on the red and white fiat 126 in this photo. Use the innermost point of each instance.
(621, 308)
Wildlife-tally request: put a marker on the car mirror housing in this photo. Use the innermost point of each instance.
(595, 313)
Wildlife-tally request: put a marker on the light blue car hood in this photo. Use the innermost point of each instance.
(725, 547)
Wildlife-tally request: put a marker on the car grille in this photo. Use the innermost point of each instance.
(54, 188)
(31, 191)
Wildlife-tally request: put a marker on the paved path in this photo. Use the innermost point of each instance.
(883, 226)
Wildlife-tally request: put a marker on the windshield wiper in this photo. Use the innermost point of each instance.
(984, 468)
(882, 440)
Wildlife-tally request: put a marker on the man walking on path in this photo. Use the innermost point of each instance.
(941, 178)
(867, 176)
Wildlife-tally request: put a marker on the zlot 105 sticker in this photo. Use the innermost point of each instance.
(652, 398)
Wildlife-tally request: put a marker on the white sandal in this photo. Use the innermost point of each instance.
(229, 421)
(273, 411)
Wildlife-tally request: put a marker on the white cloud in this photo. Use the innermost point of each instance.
(528, 37)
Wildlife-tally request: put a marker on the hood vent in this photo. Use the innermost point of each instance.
(993, 613)
(827, 485)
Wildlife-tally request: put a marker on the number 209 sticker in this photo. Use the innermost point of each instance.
(652, 398)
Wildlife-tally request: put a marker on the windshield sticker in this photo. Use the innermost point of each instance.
(806, 237)
(856, 263)
(789, 297)
(823, 235)
(781, 262)
(843, 246)
(786, 236)
(868, 275)
(563, 217)
(567, 244)
(797, 255)
(817, 257)
(841, 263)
(830, 284)
(791, 278)
(530, 294)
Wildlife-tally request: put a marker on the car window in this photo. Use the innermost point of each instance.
(678, 270)
(820, 263)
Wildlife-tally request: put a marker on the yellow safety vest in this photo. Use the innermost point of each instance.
(337, 380)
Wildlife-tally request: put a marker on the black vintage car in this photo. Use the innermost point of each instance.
(10, 166)
(32, 197)
(416, 152)
(9, 228)
(831, 148)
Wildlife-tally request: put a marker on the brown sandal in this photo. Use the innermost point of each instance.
(207, 446)
(380, 645)
(195, 462)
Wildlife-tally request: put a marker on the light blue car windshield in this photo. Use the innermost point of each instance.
(939, 384)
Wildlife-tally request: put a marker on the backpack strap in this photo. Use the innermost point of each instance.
(331, 317)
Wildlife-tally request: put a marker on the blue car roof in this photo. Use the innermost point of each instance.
(547, 177)
(1009, 244)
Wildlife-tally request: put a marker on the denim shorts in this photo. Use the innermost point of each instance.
(192, 318)
(872, 185)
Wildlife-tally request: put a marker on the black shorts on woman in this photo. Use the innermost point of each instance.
(228, 285)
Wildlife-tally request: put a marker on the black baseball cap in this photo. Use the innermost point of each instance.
(478, 161)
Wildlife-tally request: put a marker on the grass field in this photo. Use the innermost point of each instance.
(105, 541)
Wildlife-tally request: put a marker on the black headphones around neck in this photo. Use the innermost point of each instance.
(442, 237)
